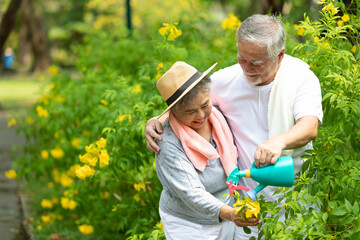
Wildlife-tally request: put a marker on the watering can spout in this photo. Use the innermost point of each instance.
(281, 174)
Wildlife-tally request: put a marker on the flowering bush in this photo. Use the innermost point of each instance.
(94, 177)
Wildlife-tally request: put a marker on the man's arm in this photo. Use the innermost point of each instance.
(152, 129)
(299, 135)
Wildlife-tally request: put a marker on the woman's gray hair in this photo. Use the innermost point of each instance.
(202, 86)
(265, 31)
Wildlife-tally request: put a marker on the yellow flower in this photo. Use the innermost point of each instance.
(92, 149)
(29, 120)
(105, 195)
(340, 23)
(330, 7)
(86, 229)
(41, 78)
(52, 86)
(65, 180)
(104, 102)
(136, 197)
(89, 158)
(56, 175)
(84, 171)
(139, 186)
(345, 18)
(44, 154)
(42, 112)
(53, 70)
(137, 89)
(321, 2)
(104, 158)
(71, 171)
(45, 203)
(160, 70)
(317, 39)
(252, 207)
(231, 22)
(101, 143)
(159, 225)
(154, 165)
(11, 122)
(75, 142)
(11, 174)
(60, 99)
(46, 219)
(122, 117)
(51, 184)
(300, 31)
(67, 203)
(57, 153)
(170, 30)
(353, 49)
(72, 205)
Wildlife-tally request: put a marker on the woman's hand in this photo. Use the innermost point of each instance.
(228, 213)
(242, 222)
(152, 128)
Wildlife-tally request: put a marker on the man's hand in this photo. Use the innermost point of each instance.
(300, 134)
(152, 128)
(268, 152)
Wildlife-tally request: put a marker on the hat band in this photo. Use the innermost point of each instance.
(181, 89)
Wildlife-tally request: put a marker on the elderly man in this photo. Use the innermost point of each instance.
(272, 101)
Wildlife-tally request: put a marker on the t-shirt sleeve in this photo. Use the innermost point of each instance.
(214, 86)
(308, 98)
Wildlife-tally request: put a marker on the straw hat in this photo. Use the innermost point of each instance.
(178, 81)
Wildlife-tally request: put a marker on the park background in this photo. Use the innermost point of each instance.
(82, 86)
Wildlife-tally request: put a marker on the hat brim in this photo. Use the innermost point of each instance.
(187, 90)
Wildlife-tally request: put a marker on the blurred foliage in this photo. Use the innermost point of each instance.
(90, 175)
(67, 22)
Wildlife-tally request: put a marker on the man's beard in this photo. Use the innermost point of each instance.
(252, 80)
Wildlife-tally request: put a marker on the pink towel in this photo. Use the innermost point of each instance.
(199, 151)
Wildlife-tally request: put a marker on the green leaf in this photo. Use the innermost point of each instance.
(325, 216)
(348, 206)
(225, 195)
(247, 230)
(356, 208)
(338, 212)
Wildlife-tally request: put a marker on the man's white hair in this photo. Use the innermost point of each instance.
(265, 31)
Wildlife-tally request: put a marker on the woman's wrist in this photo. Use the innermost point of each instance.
(227, 212)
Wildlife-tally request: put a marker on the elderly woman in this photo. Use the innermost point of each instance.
(197, 153)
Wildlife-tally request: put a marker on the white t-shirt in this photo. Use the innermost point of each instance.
(245, 107)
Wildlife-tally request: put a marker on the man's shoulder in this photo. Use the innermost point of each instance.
(227, 74)
(294, 62)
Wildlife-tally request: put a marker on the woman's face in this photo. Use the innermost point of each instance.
(197, 112)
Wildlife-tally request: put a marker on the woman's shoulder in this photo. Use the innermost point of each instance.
(168, 136)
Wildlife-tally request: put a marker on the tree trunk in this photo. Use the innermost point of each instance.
(25, 49)
(8, 22)
(33, 20)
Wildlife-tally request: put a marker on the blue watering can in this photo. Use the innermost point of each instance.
(281, 174)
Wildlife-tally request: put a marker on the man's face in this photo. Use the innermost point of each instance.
(253, 59)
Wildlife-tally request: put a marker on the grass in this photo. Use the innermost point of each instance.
(18, 91)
